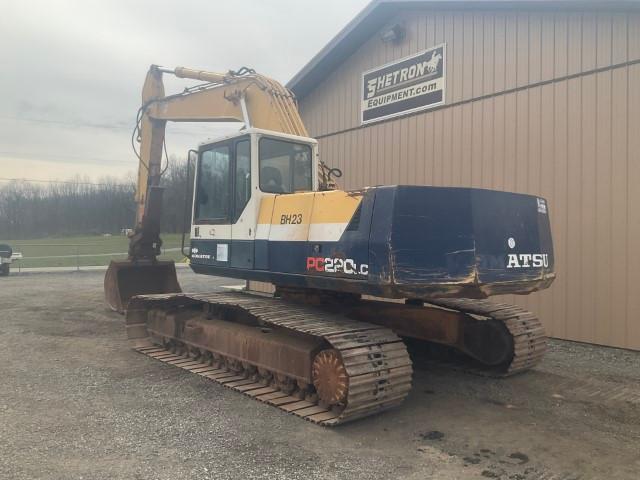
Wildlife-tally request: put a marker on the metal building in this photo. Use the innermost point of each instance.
(541, 97)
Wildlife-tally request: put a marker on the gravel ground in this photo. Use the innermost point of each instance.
(76, 402)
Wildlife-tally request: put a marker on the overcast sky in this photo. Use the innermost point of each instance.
(72, 71)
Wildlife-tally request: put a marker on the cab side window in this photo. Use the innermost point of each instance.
(213, 193)
(285, 167)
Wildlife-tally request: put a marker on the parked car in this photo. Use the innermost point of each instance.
(5, 259)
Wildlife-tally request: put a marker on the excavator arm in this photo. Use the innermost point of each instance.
(242, 96)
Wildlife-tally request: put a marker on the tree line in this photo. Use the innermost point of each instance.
(80, 207)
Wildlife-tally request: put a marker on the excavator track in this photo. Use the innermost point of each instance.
(529, 340)
(522, 337)
(378, 367)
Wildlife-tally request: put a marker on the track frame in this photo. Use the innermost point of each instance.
(376, 360)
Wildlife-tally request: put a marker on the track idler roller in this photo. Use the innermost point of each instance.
(488, 341)
(330, 377)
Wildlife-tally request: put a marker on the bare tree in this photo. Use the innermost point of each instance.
(79, 206)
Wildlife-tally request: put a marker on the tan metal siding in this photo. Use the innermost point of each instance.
(574, 141)
(633, 196)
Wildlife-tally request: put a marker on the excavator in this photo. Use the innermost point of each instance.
(357, 274)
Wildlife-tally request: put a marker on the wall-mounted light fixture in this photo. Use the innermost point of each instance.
(393, 34)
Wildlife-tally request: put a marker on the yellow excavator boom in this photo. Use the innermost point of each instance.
(254, 99)
(242, 96)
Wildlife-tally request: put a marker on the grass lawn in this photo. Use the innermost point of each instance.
(83, 250)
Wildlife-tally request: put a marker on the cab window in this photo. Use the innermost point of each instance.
(285, 167)
(213, 194)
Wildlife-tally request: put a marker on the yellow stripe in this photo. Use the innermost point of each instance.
(294, 209)
(334, 207)
(266, 209)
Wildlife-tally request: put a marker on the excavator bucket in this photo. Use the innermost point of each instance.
(126, 279)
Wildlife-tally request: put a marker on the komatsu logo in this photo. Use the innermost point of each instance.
(528, 260)
(196, 255)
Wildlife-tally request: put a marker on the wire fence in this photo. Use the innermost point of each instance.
(29, 256)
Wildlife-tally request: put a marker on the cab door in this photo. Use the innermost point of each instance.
(213, 206)
(224, 209)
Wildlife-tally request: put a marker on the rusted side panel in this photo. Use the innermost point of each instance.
(262, 347)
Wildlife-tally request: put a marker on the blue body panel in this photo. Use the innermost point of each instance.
(410, 242)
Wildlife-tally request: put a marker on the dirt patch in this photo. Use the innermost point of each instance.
(433, 435)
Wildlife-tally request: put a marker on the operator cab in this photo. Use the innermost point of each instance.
(233, 170)
(234, 174)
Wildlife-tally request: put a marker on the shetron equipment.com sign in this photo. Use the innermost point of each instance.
(406, 85)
